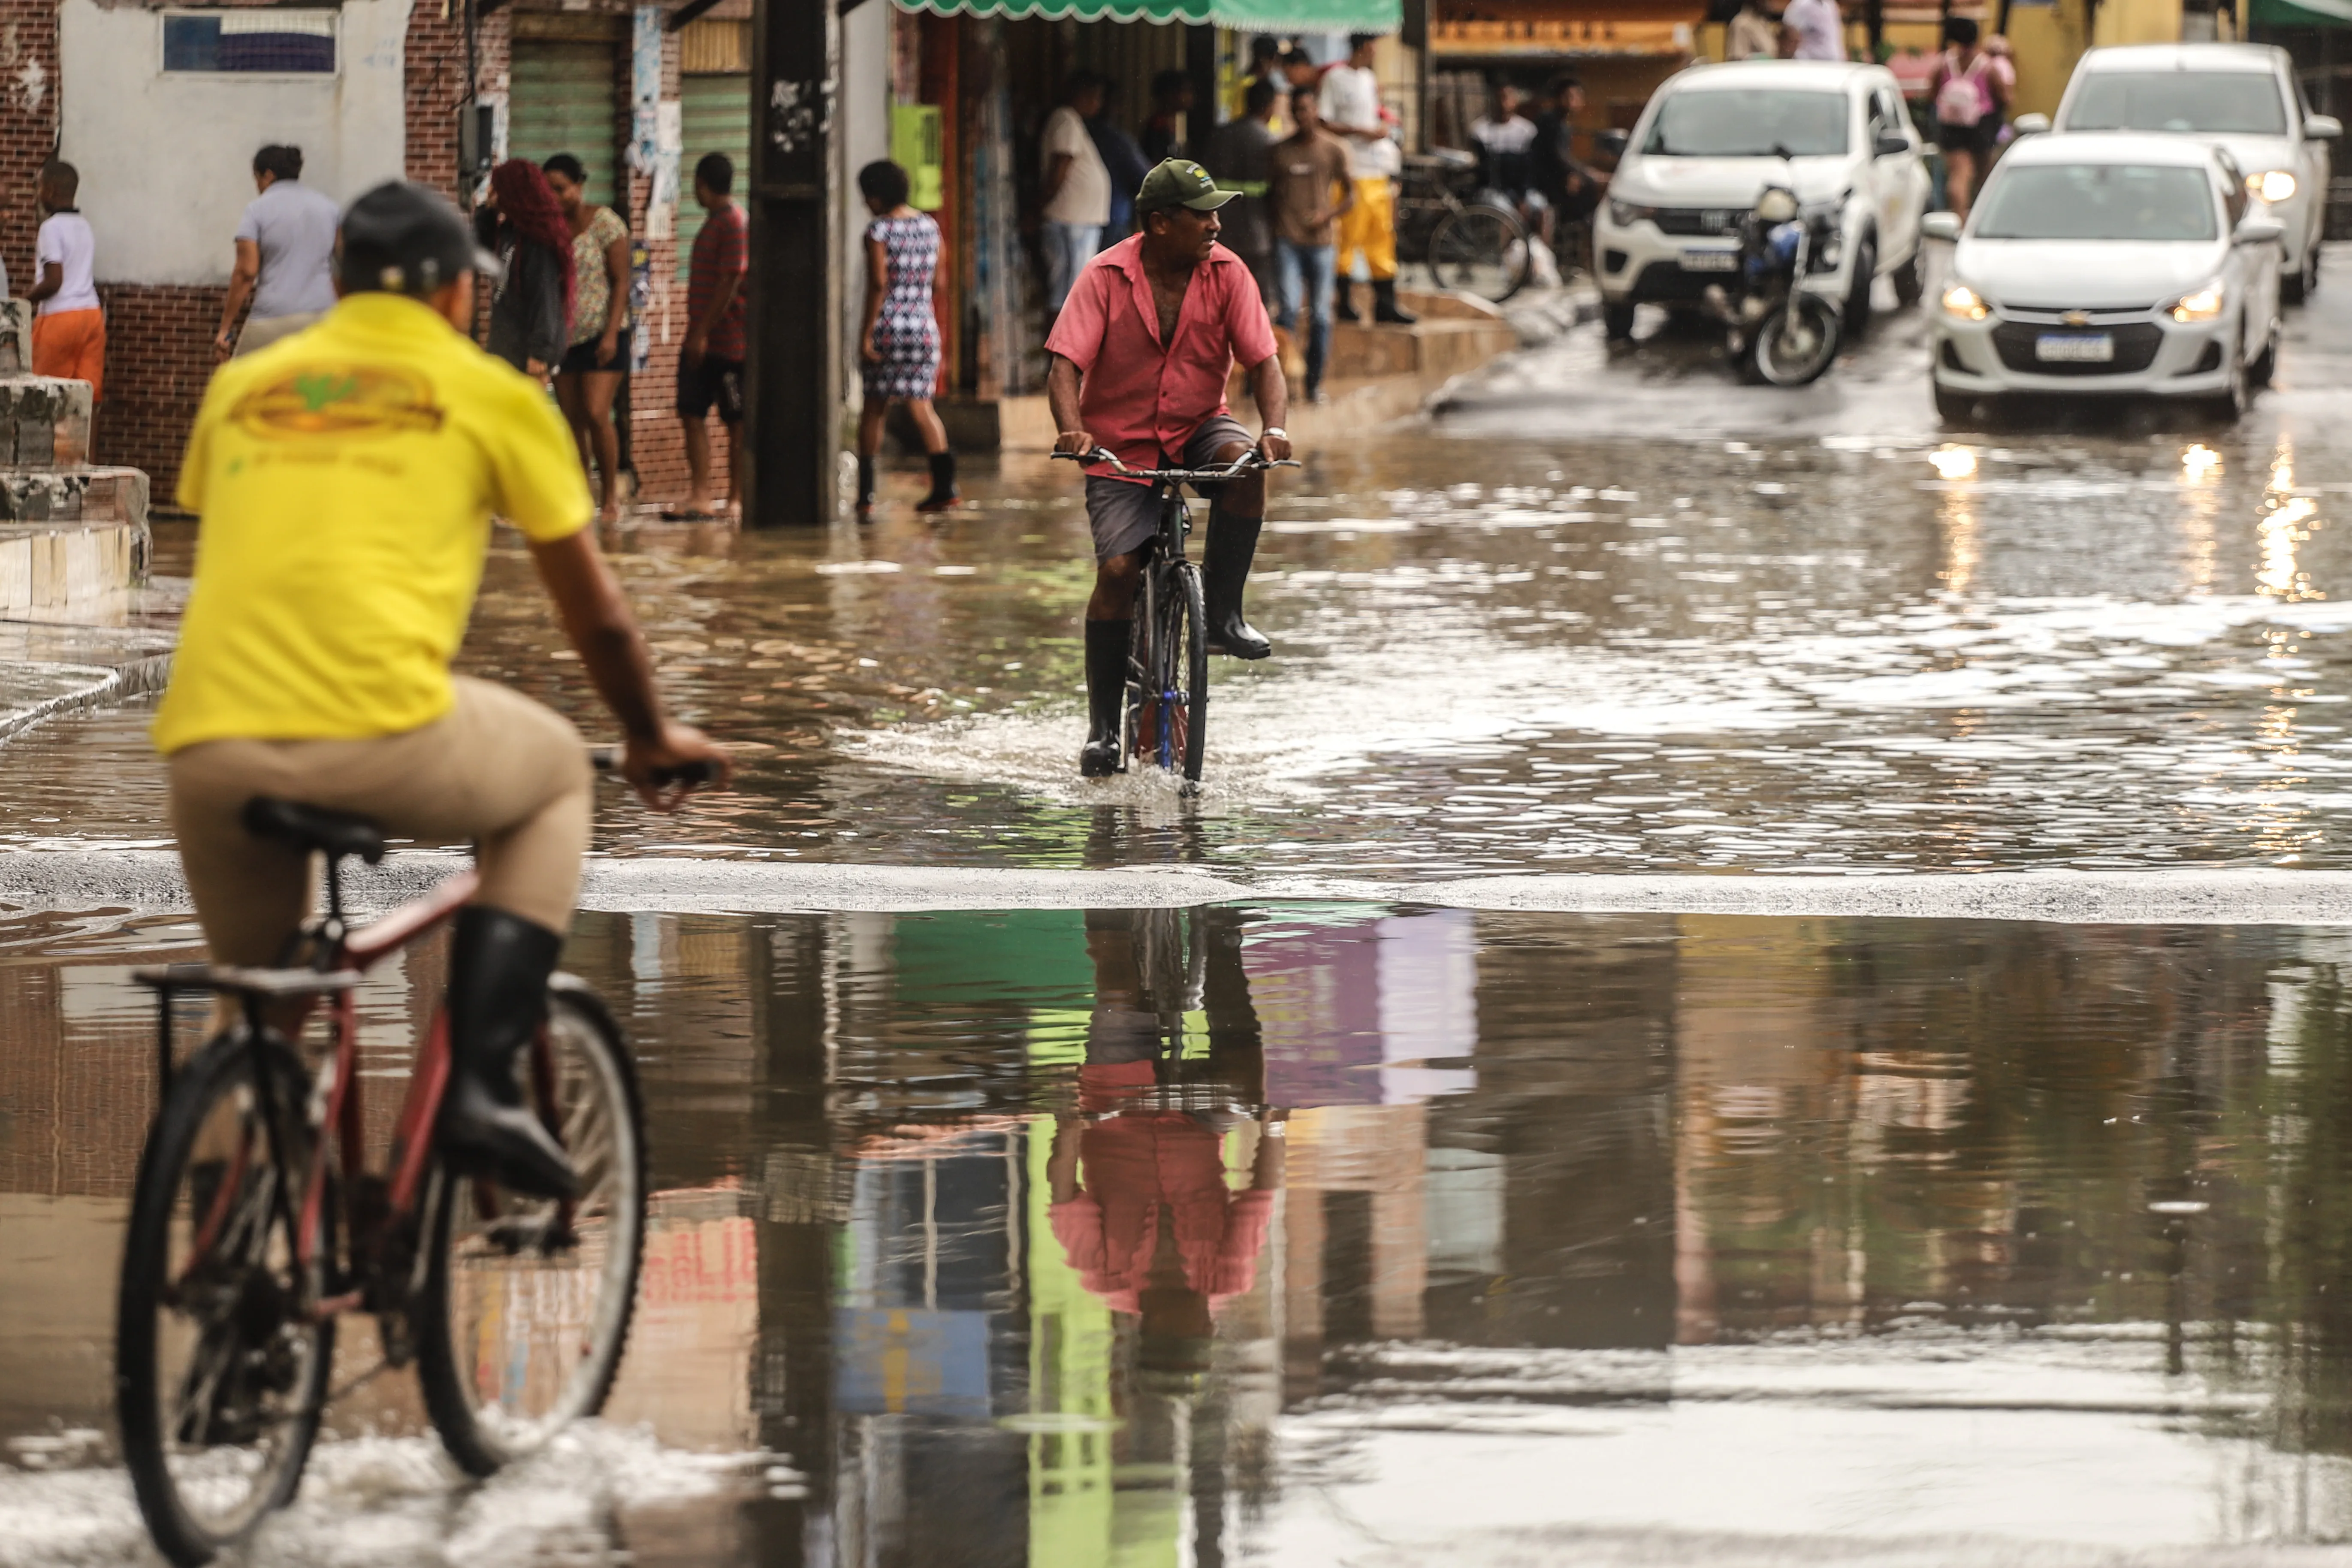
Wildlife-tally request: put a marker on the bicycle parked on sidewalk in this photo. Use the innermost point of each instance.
(1469, 243)
(1167, 705)
(256, 1223)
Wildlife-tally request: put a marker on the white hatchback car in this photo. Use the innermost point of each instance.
(2115, 264)
(2243, 98)
(1708, 142)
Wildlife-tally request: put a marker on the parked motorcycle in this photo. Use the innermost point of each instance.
(1777, 329)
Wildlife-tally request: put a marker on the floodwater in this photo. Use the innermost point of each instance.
(1582, 1239)
(1605, 615)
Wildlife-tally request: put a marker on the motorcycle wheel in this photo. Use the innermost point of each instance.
(1796, 343)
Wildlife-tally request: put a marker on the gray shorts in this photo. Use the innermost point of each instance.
(1124, 515)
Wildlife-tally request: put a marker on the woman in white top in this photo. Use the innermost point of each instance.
(588, 378)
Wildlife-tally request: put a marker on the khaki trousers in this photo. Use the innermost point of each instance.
(497, 769)
(260, 331)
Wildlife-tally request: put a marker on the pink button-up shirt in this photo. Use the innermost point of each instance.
(1142, 398)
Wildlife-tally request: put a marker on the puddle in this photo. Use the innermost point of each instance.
(1583, 1240)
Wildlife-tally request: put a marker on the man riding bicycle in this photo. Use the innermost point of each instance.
(1140, 355)
(345, 479)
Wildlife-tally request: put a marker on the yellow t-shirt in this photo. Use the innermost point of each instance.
(344, 480)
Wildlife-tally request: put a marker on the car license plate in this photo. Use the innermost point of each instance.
(2076, 348)
(1710, 260)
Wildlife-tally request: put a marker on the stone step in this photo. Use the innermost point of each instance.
(81, 495)
(51, 568)
(44, 421)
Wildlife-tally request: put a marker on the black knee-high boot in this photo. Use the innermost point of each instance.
(1224, 568)
(499, 968)
(1385, 307)
(864, 485)
(1107, 643)
(943, 486)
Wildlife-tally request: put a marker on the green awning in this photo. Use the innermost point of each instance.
(2303, 13)
(1244, 16)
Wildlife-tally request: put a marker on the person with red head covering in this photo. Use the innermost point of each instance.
(530, 312)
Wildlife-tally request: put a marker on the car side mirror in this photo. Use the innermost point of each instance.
(1612, 142)
(2322, 127)
(1939, 226)
(1890, 144)
(2256, 230)
(2030, 124)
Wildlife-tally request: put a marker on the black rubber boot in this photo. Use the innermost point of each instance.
(943, 486)
(864, 486)
(1107, 648)
(498, 968)
(1224, 568)
(1385, 307)
(1343, 303)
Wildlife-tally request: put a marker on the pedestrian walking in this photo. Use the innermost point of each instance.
(1754, 34)
(530, 309)
(69, 325)
(1123, 161)
(1241, 157)
(285, 257)
(1074, 189)
(588, 378)
(1350, 109)
(1505, 137)
(1266, 66)
(1813, 30)
(1310, 190)
(1172, 105)
(1570, 190)
(1965, 91)
(710, 362)
(898, 333)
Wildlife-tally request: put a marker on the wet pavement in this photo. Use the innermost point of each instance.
(1582, 1239)
(1606, 614)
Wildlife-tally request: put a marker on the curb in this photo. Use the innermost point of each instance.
(106, 687)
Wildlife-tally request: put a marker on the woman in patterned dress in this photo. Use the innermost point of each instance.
(588, 378)
(898, 340)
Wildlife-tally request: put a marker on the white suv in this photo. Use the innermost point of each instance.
(2242, 98)
(1712, 138)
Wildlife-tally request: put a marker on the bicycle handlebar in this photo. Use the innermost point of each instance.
(606, 759)
(1251, 461)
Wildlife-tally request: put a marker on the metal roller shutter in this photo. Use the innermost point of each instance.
(716, 112)
(565, 97)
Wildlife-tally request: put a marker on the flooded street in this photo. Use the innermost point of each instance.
(1582, 1239)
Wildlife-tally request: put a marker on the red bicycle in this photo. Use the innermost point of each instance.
(257, 1223)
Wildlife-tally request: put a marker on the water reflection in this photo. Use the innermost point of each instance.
(1278, 1233)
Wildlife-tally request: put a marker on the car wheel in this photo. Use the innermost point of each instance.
(2229, 406)
(1958, 409)
(1857, 300)
(1617, 320)
(2294, 285)
(1910, 284)
(2265, 363)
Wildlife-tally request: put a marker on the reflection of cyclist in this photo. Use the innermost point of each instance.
(1140, 355)
(345, 479)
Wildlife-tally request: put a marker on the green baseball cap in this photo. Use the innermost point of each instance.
(1180, 183)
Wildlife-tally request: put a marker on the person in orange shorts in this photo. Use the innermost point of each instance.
(69, 330)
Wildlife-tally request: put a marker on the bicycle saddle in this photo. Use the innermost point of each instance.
(335, 833)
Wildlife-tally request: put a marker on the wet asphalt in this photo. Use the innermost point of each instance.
(1822, 1220)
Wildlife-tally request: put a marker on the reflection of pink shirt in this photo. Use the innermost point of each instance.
(1134, 1164)
(1142, 398)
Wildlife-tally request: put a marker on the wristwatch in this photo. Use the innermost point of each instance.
(1275, 430)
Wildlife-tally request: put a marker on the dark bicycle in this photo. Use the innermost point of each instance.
(1167, 705)
(1445, 222)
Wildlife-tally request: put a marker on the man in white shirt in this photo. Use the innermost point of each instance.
(285, 257)
(1075, 193)
(1813, 30)
(1350, 102)
(68, 327)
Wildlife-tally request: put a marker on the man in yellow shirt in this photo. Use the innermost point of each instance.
(345, 477)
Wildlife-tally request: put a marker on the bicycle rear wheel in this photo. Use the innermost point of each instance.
(527, 1302)
(1480, 250)
(220, 1373)
(1171, 713)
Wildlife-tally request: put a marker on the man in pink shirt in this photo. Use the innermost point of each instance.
(1140, 355)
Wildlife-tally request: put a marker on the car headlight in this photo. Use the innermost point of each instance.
(1626, 213)
(2201, 305)
(1965, 303)
(2272, 185)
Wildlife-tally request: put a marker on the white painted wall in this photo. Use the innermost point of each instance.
(166, 161)
(862, 122)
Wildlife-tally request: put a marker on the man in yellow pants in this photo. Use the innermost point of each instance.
(1350, 102)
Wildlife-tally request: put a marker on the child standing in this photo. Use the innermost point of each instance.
(899, 337)
(70, 328)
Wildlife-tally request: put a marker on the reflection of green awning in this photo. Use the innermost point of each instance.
(2303, 13)
(1246, 16)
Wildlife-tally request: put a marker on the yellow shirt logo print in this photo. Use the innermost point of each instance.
(338, 401)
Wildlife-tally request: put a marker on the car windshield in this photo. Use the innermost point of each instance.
(2097, 201)
(1748, 122)
(2215, 103)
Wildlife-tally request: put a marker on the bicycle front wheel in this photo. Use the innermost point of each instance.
(1480, 250)
(527, 1302)
(1171, 710)
(220, 1367)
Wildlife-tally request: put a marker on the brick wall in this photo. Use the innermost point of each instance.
(159, 356)
(28, 125)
